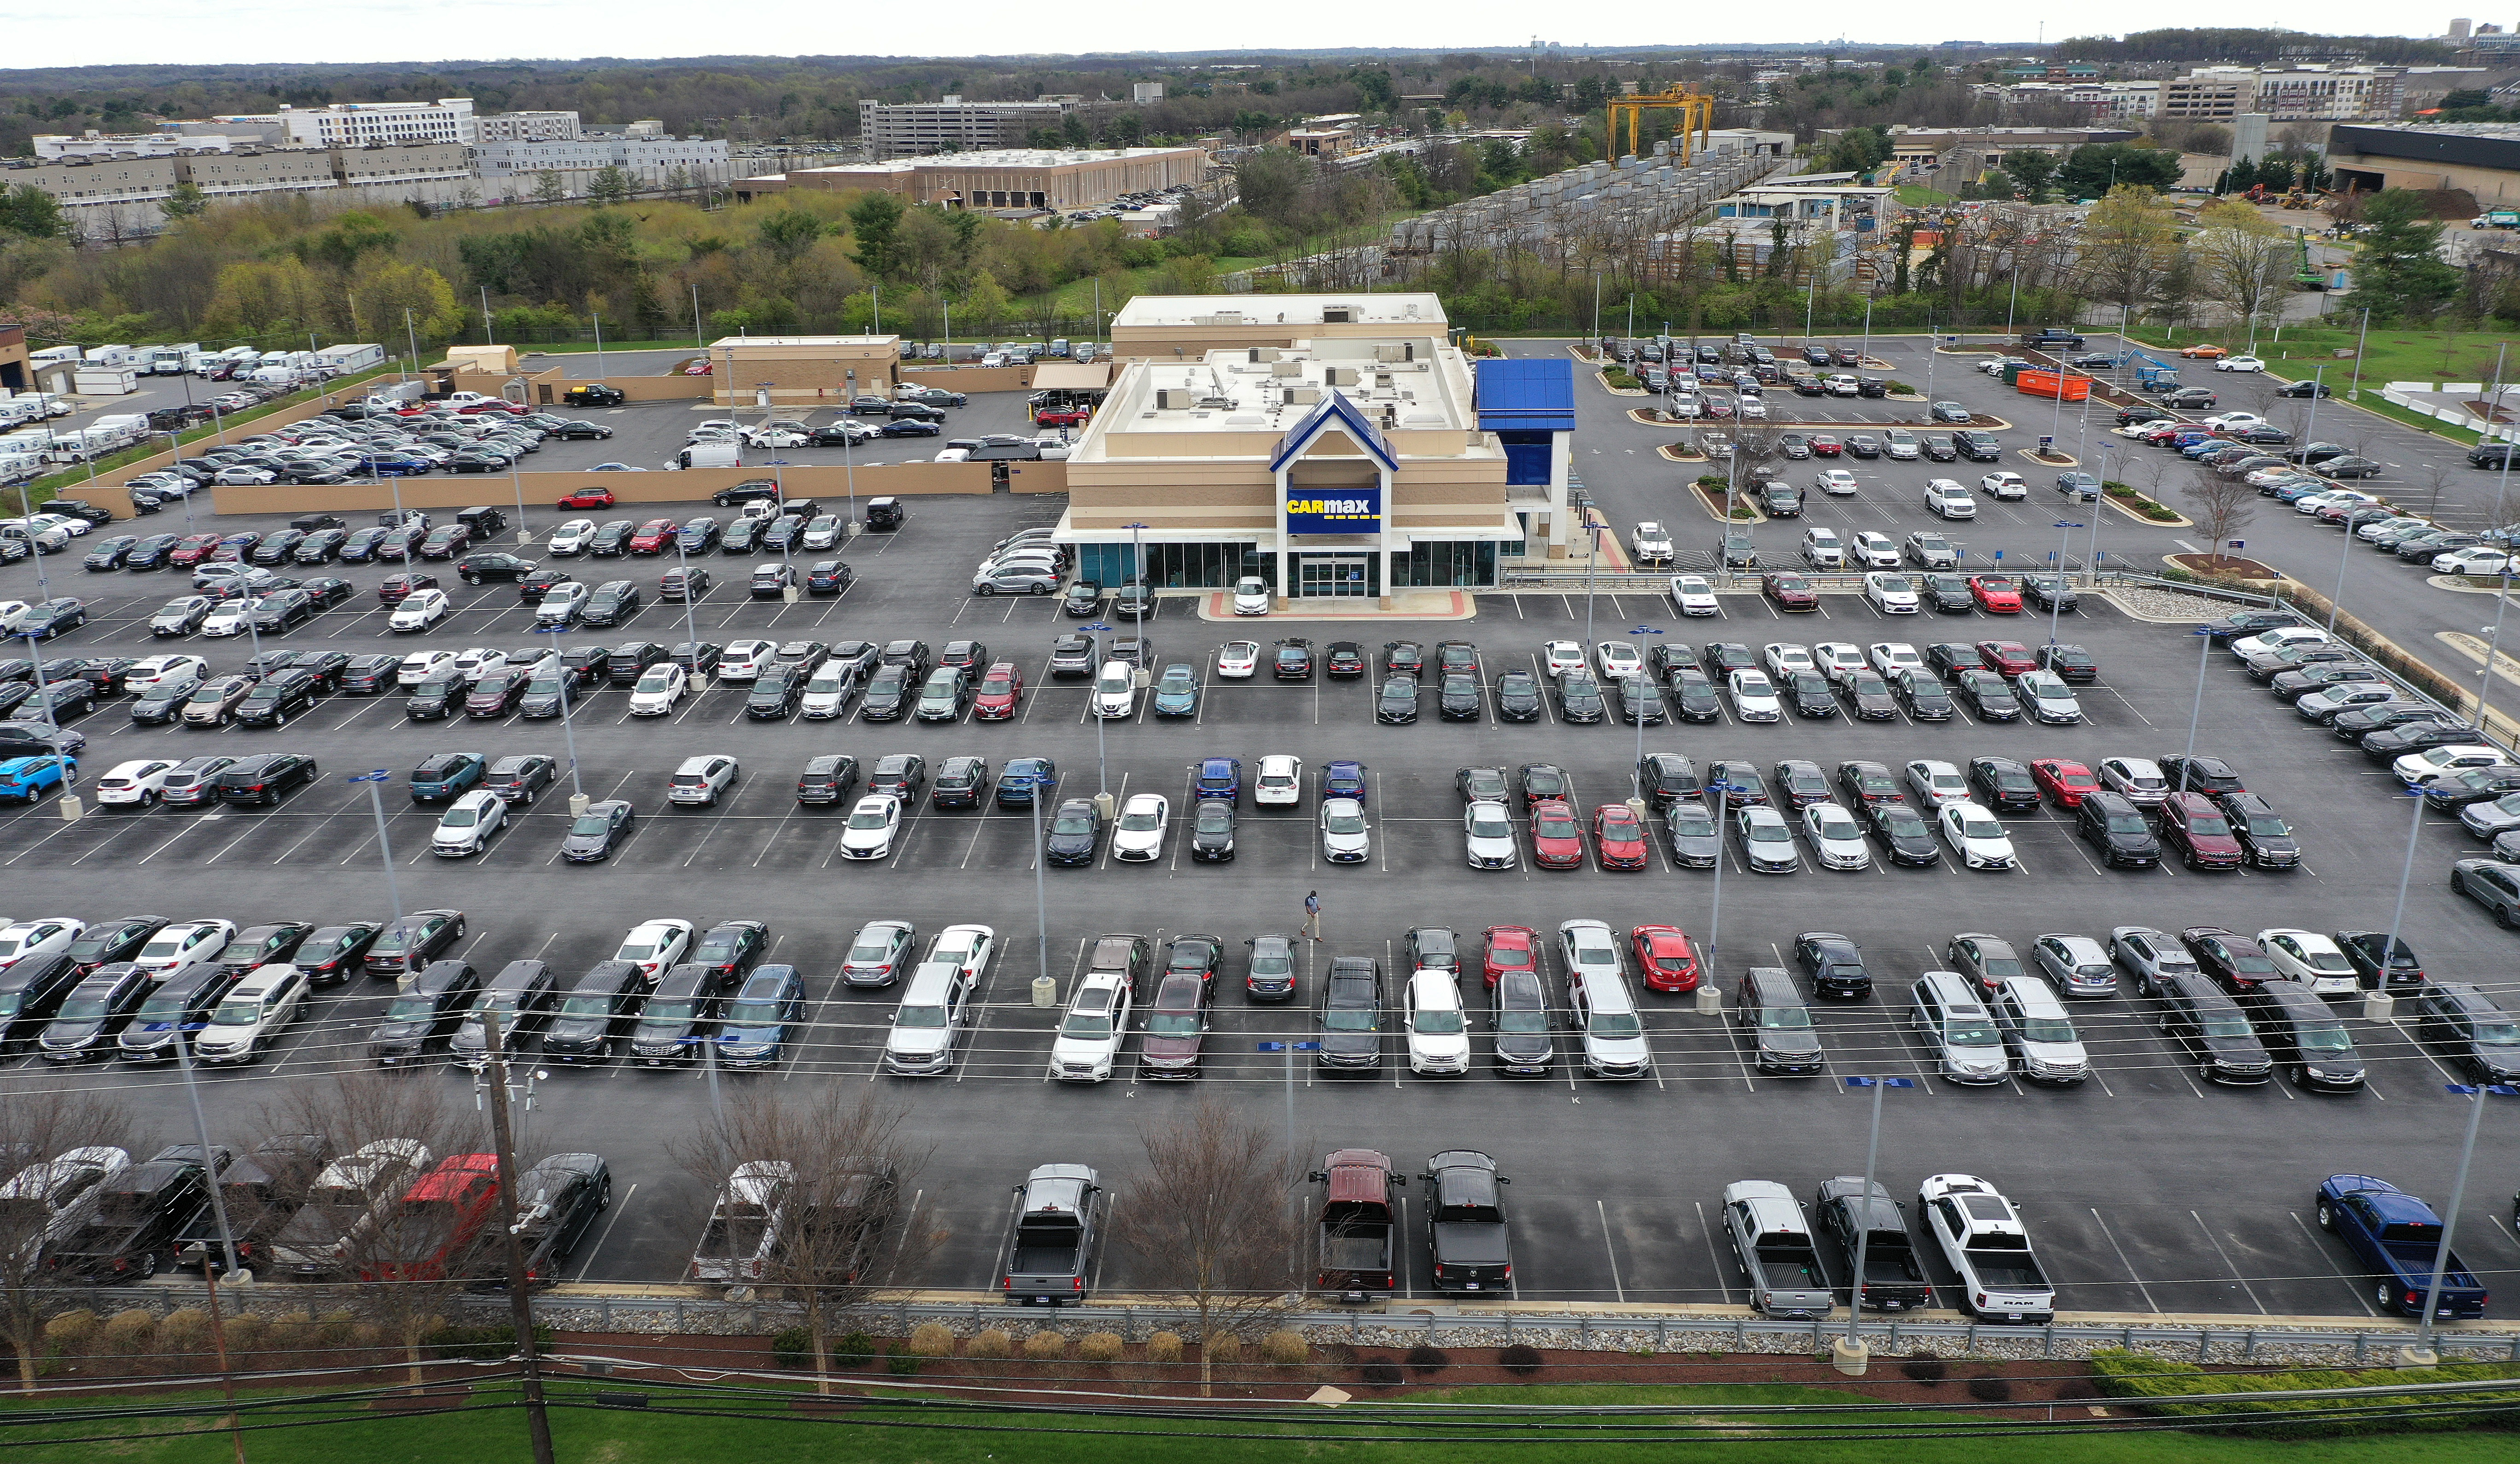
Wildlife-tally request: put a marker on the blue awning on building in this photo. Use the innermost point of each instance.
(1527, 394)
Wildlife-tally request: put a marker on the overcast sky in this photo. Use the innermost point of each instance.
(104, 32)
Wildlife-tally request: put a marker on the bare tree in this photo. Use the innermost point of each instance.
(409, 1237)
(2222, 507)
(2435, 478)
(57, 1144)
(832, 1236)
(1213, 1224)
(2247, 260)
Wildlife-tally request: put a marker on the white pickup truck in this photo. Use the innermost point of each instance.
(1982, 1236)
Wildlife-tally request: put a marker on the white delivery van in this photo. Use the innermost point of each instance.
(105, 380)
(173, 359)
(711, 455)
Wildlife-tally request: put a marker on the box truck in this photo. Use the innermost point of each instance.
(118, 355)
(105, 380)
(53, 355)
(173, 359)
(342, 360)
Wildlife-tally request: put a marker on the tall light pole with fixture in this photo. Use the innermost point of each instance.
(2422, 1352)
(1850, 1351)
(2056, 601)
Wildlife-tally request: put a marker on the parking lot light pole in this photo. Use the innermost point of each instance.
(376, 782)
(2475, 1095)
(1851, 1352)
(1102, 771)
(2493, 653)
(690, 622)
(569, 732)
(1147, 586)
(1636, 775)
(1717, 791)
(2204, 648)
(2056, 601)
(2405, 875)
(1040, 889)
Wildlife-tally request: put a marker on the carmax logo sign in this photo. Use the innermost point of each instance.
(1355, 512)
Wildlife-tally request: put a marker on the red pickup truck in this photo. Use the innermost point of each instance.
(430, 1231)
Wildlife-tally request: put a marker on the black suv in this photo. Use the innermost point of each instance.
(2115, 826)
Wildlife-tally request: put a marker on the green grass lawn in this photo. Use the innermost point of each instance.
(768, 1432)
(2388, 355)
(1918, 196)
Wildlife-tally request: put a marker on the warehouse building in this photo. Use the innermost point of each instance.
(802, 371)
(1020, 180)
(1343, 466)
(2481, 157)
(1173, 326)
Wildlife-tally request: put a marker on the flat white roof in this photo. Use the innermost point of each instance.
(1001, 158)
(1226, 391)
(1412, 312)
(726, 343)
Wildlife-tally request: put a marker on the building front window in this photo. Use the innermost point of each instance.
(1447, 564)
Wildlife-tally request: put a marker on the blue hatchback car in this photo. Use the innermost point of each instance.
(1343, 780)
(27, 779)
(1220, 777)
(447, 775)
(1023, 775)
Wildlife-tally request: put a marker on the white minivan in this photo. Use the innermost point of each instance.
(251, 1014)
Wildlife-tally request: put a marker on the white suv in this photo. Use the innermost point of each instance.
(1950, 498)
(701, 779)
(1439, 1034)
(1091, 1033)
(251, 1014)
(134, 782)
(659, 691)
(466, 824)
(1279, 780)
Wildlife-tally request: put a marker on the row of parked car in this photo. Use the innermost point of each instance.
(484, 434)
(2433, 753)
(296, 1206)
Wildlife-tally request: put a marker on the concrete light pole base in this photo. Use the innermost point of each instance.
(1851, 1359)
(2419, 1356)
(70, 808)
(1710, 997)
(577, 803)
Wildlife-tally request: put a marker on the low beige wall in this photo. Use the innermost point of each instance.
(1034, 477)
(542, 490)
(974, 378)
(108, 492)
(674, 388)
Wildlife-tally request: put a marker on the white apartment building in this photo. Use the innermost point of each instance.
(2311, 91)
(528, 127)
(54, 146)
(512, 171)
(954, 126)
(359, 124)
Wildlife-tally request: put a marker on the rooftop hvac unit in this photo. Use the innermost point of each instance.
(1175, 399)
(1391, 351)
(1339, 376)
(1286, 368)
(1338, 315)
(1264, 353)
(1303, 396)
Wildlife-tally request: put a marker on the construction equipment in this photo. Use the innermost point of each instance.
(1696, 115)
(2306, 275)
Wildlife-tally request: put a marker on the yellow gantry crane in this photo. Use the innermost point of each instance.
(1696, 115)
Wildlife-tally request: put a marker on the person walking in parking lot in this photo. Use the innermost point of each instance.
(1312, 914)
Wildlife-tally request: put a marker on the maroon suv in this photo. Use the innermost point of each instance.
(2192, 825)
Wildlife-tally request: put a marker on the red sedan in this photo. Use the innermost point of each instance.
(2063, 781)
(394, 589)
(193, 550)
(1664, 954)
(513, 409)
(653, 537)
(1823, 445)
(2009, 658)
(1063, 416)
(999, 689)
(1791, 591)
(1996, 594)
(1508, 948)
(588, 498)
(1556, 835)
(1618, 839)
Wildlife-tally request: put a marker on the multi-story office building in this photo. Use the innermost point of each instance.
(951, 125)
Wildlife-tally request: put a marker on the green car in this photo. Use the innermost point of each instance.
(1177, 691)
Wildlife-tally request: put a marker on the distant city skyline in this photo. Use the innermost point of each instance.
(108, 32)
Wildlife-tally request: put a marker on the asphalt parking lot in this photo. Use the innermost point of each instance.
(1615, 456)
(2149, 1191)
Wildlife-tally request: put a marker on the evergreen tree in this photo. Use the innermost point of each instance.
(2397, 269)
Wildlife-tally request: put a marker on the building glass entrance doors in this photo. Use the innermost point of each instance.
(1322, 576)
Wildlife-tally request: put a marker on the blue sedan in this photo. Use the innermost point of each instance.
(1344, 778)
(1177, 691)
(911, 426)
(1219, 778)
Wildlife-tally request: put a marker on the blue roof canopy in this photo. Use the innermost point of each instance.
(1527, 394)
